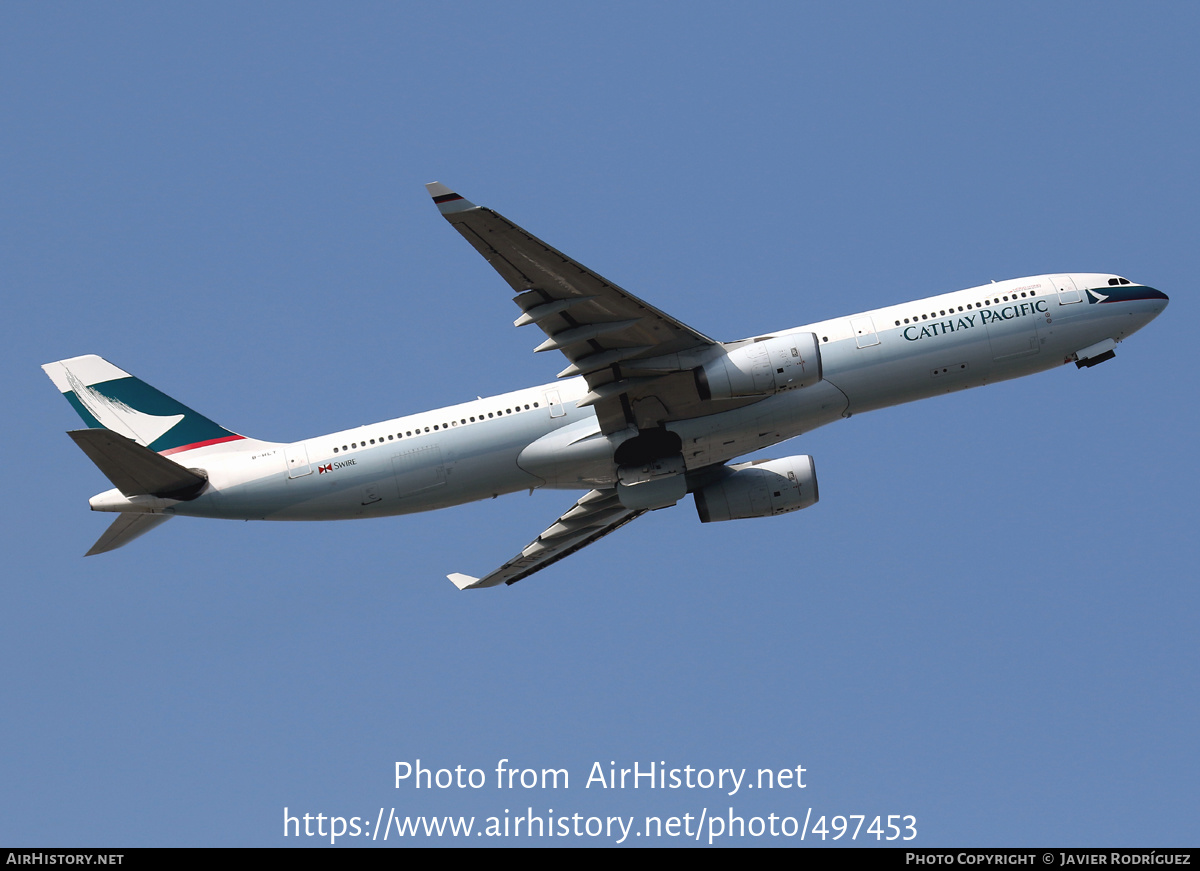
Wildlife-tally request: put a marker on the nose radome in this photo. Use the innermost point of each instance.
(1150, 293)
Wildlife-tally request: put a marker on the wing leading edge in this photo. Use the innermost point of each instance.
(594, 516)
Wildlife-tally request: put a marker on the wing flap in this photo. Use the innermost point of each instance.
(592, 517)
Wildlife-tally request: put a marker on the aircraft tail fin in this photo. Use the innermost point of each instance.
(108, 398)
(125, 529)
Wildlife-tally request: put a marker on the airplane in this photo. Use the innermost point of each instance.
(646, 411)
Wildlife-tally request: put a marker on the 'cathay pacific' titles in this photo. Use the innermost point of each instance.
(938, 328)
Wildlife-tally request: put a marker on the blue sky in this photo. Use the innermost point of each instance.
(988, 622)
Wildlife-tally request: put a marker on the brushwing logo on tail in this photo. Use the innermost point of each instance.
(117, 416)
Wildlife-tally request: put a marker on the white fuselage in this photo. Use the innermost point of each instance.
(482, 448)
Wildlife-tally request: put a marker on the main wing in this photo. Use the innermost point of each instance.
(636, 359)
(594, 516)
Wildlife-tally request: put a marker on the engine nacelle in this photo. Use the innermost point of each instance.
(759, 489)
(762, 368)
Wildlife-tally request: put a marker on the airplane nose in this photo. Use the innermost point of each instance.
(1149, 303)
(1159, 297)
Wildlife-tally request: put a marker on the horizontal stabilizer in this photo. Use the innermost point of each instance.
(125, 529)
(135, 470)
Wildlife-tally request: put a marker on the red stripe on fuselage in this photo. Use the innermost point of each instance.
(194, 445)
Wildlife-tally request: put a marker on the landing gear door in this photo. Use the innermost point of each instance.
(1067, 291)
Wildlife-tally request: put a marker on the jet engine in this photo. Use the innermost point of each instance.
(759, 489)
(762, 368)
